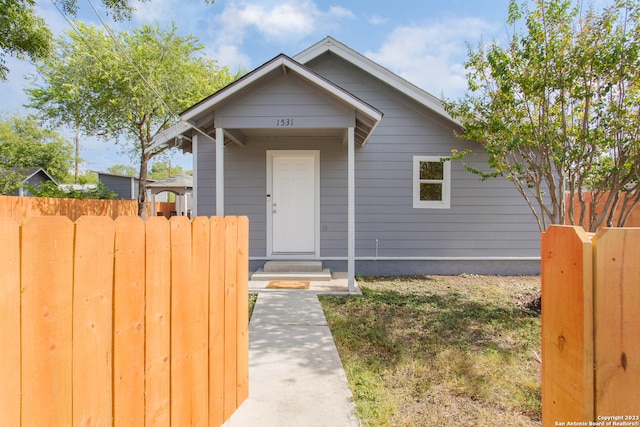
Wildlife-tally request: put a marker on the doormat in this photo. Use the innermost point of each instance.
(288, 284)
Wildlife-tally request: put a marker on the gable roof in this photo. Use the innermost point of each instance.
(30, 172)
(329, 44)
(367, 116)
(175, 181)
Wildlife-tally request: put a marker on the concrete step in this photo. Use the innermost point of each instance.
(321, 276)
(293, 266)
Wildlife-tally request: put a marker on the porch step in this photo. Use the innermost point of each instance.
(288, 266)
(293, 270)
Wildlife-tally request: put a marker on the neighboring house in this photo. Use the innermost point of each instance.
(181, 185)
(33, 177)
(125, 187)
(334, 158)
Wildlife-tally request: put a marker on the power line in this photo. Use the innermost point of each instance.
(128, 58)
(176, 117)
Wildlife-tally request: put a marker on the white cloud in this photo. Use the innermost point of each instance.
(378, 20)
(156, 10)
(292, 18)
(277, 23)
(340, 12)
(432, 56)
(230, 55)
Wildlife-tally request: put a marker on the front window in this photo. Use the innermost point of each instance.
(431, 182)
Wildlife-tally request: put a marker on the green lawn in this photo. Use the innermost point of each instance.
(441, 350)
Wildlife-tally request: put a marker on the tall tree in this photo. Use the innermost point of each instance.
(126, 170)
(24, 34)
(558, 109)
(164, 169)
(25, 144)
(125, 88)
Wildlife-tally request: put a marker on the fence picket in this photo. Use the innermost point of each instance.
(201, 235)
(10, 324)
(47, 283)
(92, 321)
(182, 369)
(617, 324)
(123, 322)
(242, 314)
(129, 322)
(216, 322)
(158, 323)
(567, 309)
(230, 318)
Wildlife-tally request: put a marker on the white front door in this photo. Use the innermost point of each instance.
(292, 205)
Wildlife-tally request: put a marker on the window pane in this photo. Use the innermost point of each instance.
(431, 170)
(430, 191)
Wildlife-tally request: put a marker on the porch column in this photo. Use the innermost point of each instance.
(194, 169)
(351, 205)
(219, 172)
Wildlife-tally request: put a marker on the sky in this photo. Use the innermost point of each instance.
(423, 41)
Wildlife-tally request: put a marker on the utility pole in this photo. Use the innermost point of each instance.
(77, 153)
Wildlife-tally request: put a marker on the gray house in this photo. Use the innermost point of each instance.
(30, 177)
(334, 158)
(126, 187)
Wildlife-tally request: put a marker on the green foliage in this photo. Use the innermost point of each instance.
(50, 189)
(22, 32)
(163, 170)
(91, 82)
(25, 144)
(556, 108)
(10, 181)
(126, 170)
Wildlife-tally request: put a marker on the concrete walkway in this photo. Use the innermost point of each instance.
(296, 377)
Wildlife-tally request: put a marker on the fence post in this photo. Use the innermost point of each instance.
(617, 322)
(567, 326)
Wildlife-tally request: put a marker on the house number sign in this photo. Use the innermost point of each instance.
(282, 123)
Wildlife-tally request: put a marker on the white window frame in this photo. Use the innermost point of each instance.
(445, 203)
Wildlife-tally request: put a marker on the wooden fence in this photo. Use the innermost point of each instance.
(20, 208)
(123, 323)
(632, 221)
(590, 326)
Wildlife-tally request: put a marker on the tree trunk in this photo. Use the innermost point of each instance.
(142, 186)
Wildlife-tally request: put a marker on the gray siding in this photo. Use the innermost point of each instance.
(288, 97)
(121, 185)
(245, 192)
(486, 219)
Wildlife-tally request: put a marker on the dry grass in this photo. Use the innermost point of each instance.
(441, 350)
(252, 303)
